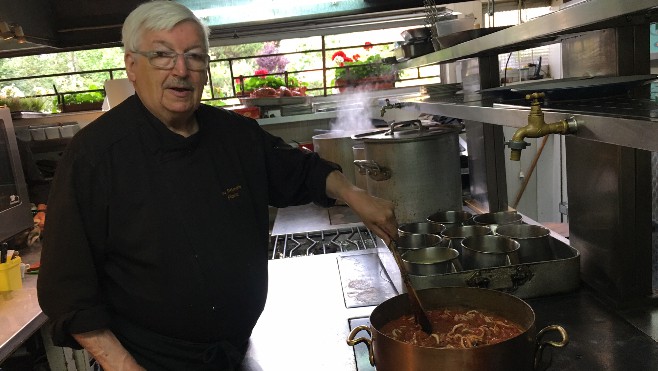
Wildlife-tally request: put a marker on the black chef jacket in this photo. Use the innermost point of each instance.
(168, 232)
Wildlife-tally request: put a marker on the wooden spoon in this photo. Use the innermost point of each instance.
(419, 313)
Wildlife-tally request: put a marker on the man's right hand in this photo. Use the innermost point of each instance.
(107, 350)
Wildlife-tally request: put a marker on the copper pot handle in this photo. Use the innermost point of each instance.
(352, 342)
(542, 344)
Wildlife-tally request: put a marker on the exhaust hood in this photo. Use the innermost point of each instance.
(233, 12)
(61, 25)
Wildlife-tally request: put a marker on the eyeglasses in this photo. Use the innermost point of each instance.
(166, 60)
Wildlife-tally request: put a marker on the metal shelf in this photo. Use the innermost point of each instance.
(616, 120)
(547, 29)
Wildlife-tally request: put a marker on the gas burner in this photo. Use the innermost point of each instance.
(321, 242)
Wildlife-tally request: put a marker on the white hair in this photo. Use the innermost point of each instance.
(157, 15)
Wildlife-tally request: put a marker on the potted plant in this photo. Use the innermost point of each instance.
(262, 79)
(362, 73)
(85, 101)
(23, 104)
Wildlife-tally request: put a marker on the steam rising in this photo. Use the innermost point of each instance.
(354, 112)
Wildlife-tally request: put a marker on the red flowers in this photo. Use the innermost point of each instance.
(341, 58)
(261, 72)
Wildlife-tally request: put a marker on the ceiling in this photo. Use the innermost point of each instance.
(62, 25)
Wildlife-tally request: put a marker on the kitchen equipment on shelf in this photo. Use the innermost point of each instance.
(412, 49)
(418, 33)
(417, 167)
(522, 352)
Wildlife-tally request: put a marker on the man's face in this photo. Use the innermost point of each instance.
(170, 94)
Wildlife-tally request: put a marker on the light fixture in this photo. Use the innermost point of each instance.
(5, 32)
(18, 33)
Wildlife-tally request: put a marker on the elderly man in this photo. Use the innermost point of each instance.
(155, 255)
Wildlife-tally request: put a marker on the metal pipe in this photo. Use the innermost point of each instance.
(537, 127)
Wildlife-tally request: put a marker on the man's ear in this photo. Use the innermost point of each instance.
(129, 61)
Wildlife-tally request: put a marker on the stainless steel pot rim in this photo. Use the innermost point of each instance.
(414, 227)
(463, 231)
(485, 219)
(406, 135)
(413, 256)
(499, 240)
(450, 216)
(520, 231)
(336, 134)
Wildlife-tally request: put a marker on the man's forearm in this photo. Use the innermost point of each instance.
(376, 213)
(107, 350)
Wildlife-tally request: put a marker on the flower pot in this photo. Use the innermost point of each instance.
(95, 106)
(366, 83)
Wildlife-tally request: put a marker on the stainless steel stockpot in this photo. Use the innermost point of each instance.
(417, 168)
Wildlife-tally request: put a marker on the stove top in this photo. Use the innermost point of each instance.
(329, 241)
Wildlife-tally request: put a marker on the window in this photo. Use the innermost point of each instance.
(307, 60)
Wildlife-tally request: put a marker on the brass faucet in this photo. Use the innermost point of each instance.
(537, 127)
(389, 105)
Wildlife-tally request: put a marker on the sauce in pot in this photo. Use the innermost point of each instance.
(456, 328)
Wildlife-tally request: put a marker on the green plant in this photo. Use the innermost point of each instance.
(262, 80)
(17, 104)
(78, 98)
(215, 103)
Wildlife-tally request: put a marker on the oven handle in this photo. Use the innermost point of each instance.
(542, 344)
(352, 342)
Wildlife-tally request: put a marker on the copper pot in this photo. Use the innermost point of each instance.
(522, 352)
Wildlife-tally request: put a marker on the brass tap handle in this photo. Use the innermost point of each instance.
(535, 97)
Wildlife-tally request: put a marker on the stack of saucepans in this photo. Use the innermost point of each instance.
(449, 242)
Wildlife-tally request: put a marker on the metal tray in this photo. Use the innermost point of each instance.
(525, 280)
(452, 39)
(274, 101)
(574, 87)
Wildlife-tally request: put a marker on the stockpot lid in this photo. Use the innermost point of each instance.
(408, 131)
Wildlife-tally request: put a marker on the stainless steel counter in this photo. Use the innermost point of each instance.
(20, 314)
(305, 322)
